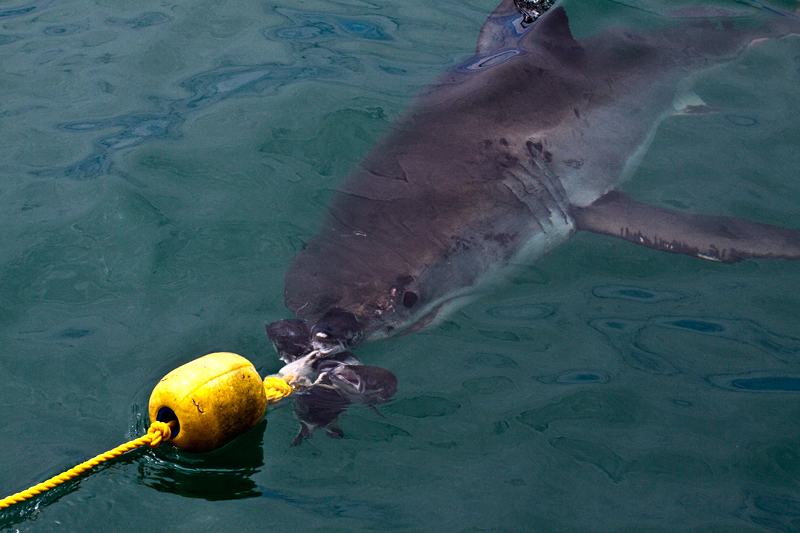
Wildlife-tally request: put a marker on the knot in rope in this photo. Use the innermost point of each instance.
(158, 433)
(277, 387)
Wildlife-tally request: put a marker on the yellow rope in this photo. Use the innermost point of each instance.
(276, 388)
(158, 432)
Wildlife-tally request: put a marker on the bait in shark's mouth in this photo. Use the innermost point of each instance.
(327, 383)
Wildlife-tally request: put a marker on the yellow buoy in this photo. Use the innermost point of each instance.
(212, 400)
(197, 407)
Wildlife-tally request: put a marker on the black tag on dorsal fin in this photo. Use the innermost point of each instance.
(532, 9)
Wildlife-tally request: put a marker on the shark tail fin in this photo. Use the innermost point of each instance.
(715, 238)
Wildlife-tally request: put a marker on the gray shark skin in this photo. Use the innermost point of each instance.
(506, 157)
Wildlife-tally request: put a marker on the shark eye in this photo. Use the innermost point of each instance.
(410, 298)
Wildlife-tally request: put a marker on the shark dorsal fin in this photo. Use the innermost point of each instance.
(552, 31)
(505, 28)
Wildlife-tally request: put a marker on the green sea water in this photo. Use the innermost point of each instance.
(161, 162)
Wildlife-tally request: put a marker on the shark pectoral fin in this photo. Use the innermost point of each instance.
(690, 103)
(725, 239)
(303, 434)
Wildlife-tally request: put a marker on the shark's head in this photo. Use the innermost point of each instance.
(344, 301)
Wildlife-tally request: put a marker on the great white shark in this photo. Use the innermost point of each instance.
(502, 159)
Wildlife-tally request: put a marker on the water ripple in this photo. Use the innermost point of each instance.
(740, 120)
(321, 27)
(18, 11)
(65, 30)
(756, 382)
(210, 87)
(522, 312)
(775, 512)
(490, 360)
(140, 131)
(577, 377)
(626, 336)
(423, 407)
(638, 294)
(206, 89)
(145, 20)
(492, 385)
(693, 324)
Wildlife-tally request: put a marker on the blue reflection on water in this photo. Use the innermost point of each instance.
(144, 20)
(207, 89)
(757, 382)
(625, 334)
(773, 383)
(304, 29)
(324, 27)
(17, 11)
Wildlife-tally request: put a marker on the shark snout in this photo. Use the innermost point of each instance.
(337, 330)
